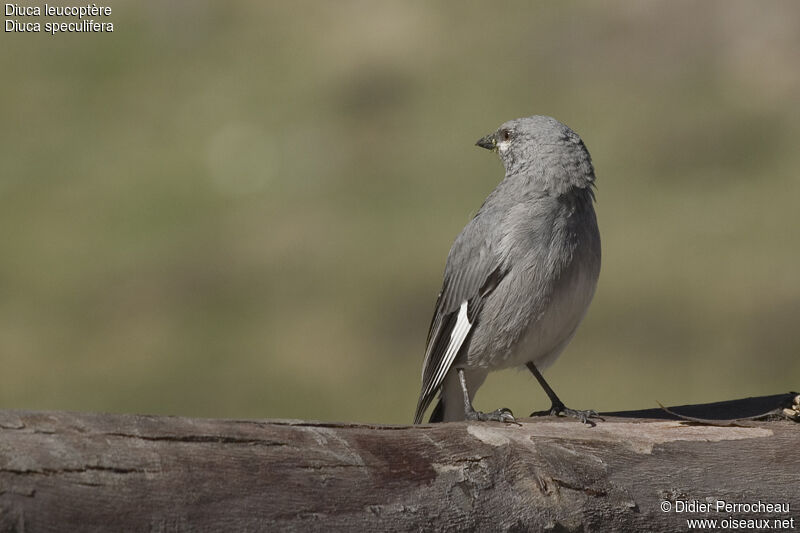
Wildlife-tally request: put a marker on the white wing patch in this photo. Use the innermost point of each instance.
(457, 337)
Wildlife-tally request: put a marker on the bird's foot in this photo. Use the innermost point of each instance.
(559, 409)
(499, 415)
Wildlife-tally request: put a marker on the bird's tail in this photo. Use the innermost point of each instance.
(438, 412)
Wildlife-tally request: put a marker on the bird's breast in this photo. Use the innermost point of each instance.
(537, 307)
(549, 330)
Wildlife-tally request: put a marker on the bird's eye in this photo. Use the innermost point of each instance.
(505, 135)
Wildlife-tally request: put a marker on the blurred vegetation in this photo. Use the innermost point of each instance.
(243, 209)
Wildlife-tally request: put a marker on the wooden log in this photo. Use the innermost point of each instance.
(63, 471)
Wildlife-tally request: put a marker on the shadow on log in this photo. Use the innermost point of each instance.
(101, 472)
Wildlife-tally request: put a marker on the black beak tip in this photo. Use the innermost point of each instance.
(486, 142)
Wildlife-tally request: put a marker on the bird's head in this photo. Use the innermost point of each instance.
(544, 150)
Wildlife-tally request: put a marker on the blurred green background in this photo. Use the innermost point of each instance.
(243, 209)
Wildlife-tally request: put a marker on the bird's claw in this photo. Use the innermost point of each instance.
(585, 417)
(499, 415)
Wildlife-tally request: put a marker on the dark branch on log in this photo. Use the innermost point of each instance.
(100, 472)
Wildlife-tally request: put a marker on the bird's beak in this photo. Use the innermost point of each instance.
(489, 142)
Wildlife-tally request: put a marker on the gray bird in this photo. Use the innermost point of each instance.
(520, 276)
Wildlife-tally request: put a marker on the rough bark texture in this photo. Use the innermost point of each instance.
(100, 472)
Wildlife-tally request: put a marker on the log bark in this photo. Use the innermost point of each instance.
(63, 471)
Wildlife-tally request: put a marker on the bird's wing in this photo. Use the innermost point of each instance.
(472, 273)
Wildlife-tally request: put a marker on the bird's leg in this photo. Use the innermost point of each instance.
(558, 408)
(500, 415)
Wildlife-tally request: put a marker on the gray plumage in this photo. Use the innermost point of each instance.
(520, 276)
